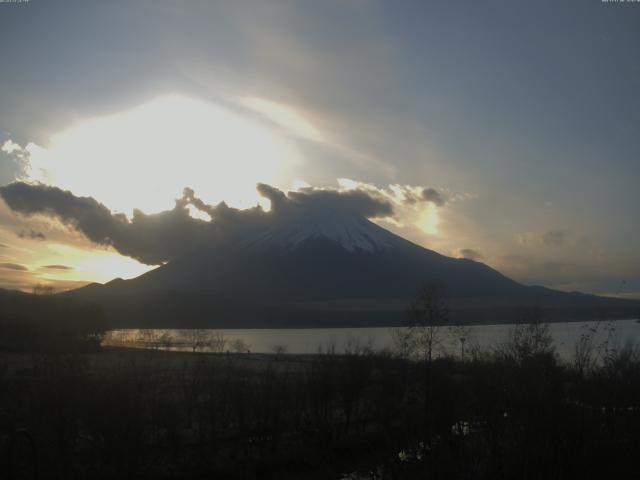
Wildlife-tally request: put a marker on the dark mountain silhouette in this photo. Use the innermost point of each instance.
(334, 270)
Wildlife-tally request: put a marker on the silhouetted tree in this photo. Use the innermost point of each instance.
(427, 313)
(530, 337)
(40, 289)
(197, 339)
(217, 342)
(239, 346)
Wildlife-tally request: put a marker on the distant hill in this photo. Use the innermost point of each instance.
(49, 323)
(336, 270)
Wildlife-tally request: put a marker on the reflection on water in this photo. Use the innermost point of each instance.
(339, 340)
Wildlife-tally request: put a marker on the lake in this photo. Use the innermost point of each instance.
(612, 334)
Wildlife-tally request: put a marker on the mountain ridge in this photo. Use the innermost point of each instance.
(335, 266)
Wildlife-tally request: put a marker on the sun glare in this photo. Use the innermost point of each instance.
(104, 265)
(428, 220)
(61, 265)
(144, 157)
(285, 117)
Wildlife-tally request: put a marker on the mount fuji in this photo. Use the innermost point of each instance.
(326, 269)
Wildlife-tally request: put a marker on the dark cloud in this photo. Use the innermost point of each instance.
(277, 198)
(152, 239)
(433, 196)
(310, 202)
(57, 267)
(32, 234)
(157, 238)
(469, 254)
(14, 266)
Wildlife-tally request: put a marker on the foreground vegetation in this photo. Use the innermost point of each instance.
(515, 412)
(42, 322)
(71, 409)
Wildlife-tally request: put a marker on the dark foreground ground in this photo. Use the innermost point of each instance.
(515, 413)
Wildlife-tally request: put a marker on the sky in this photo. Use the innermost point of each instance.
(505, 132)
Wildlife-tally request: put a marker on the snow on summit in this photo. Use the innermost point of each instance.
(353, 233)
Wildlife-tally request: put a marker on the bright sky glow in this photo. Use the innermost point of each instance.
(144, 157)
(428, 219)
(68, 266)
(285, 117)
(100, 264)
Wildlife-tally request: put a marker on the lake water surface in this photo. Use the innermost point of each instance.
(613, 334)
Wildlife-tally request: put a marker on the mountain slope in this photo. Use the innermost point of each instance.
(323, 267)
(344, 258)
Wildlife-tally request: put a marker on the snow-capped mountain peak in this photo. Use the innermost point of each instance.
(350, 232)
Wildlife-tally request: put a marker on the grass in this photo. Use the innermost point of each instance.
(513, 413)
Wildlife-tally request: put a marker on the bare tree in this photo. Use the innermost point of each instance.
(402, 341)
(217, 342)
(427, 313)
(149, 338)
(197, 339)
(530, 337)
(41, 289)
(279, 350)
(460, 335)
(240, 346)
(356, 346)
(584, 359)
(165, 339)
